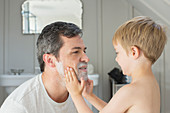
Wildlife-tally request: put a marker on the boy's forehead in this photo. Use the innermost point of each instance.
(117, 46)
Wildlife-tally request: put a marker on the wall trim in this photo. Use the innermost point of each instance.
(99, 47)
(6, 36)
(2, 36)
(167, 1)
(3, 57)
(148, 10)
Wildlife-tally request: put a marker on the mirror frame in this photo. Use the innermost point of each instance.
(30, 21)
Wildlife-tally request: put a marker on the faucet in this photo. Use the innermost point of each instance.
(17, 71)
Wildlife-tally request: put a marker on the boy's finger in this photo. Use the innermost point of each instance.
(82, 83)
(73, 74)
(91, 82)
(66, 76)
(69, 74)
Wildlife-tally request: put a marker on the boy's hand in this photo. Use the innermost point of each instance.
(88, 89)
(72, 84)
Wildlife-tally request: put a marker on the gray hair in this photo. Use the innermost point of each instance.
(50, 42)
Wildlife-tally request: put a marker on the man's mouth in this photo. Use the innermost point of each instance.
(82, 71)
(83, 68)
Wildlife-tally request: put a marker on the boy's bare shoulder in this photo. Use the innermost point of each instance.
(130, 91)
(122, 99)
(142, 88)
(128, 88)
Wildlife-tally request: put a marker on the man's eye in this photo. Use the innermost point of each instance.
(116, 53)
(75, 51)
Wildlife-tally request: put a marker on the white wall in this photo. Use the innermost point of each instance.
(91, 35)
(1, 36)
(114, 13)
(157, 9)
(20, 48)
(1, 45)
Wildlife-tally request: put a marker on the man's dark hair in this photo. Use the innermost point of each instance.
(50, 41)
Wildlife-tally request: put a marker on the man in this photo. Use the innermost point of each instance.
(59, 45)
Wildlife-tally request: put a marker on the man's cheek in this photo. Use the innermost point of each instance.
(60, 68)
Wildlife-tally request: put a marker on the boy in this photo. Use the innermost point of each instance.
(138, 43)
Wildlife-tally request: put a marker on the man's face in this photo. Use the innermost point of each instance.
(73, 54)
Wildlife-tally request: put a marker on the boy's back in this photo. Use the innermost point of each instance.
(146, 96)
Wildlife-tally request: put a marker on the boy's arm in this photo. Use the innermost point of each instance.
(93, 99)
(96, 102)
(81, 105)
(122, 101)
(75, 89)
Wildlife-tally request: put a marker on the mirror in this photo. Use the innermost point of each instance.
(36, 14)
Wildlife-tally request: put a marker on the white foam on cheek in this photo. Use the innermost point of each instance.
(60, 68)
(80, 73)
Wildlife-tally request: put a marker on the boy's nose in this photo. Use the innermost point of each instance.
(116, 59)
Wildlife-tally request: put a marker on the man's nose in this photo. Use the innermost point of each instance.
(84, 58)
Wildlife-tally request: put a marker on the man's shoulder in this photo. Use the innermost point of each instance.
(25, 89)
(22, 97)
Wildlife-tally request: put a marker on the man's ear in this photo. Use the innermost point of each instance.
(135, 52)
(49, 60)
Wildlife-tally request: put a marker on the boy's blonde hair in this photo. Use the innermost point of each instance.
(143, 33)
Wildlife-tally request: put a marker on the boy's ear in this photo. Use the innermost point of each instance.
(49, 60)
(135, 52)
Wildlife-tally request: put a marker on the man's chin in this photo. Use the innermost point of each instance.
(82, 74)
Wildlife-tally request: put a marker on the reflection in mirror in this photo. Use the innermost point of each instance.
(36, 14)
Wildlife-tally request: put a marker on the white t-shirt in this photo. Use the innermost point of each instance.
(31, 97)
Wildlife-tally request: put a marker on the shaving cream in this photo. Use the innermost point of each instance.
(60, 68)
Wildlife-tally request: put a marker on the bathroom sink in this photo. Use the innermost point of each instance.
(14, 80)
(11, 82)
(95, 78)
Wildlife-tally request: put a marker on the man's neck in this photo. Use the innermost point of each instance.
(55, 87)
